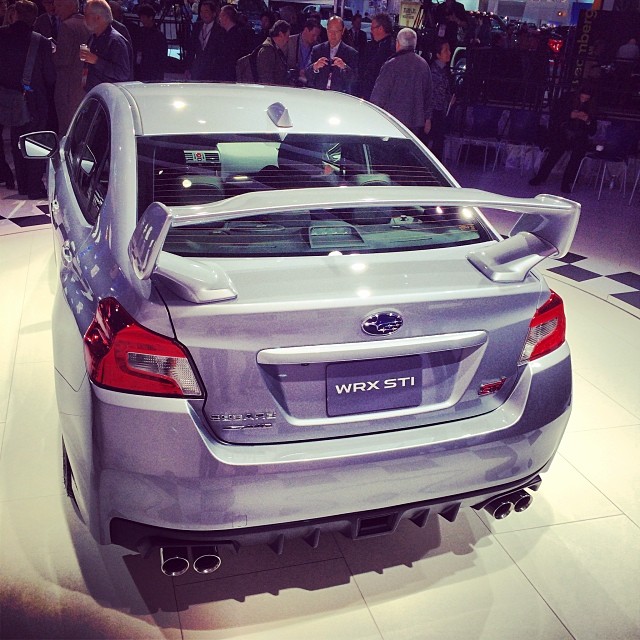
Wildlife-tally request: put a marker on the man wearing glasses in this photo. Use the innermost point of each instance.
(379, 50)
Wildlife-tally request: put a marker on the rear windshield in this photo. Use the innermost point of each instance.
(200, 169)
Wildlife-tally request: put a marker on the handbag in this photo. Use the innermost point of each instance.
(14, 111)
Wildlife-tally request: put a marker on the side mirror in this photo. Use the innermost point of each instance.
(39, 144)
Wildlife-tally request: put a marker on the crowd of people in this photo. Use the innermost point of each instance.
(78, 50)
(72, 52)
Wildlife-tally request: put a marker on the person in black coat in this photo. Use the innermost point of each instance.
(232, 44)
(110, 55)
(334, 64)
(573, 124)
(118, 23)
(443, 96)
(449, 16)
(381, 47)
(355, 37)
(14, 45)
(151, 47)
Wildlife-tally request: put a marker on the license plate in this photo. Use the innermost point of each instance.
(373, 385)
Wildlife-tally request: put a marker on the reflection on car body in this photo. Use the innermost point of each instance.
(271, 326)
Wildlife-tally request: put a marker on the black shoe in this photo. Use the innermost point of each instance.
(38, 195)
(535, 181)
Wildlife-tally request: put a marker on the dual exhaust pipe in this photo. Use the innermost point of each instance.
(174, 561)
(502, 506)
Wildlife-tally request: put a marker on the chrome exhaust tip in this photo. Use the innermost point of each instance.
(500, 507)
(521, 500)
(173, 561)
(206, 559)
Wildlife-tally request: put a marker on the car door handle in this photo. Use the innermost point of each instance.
(65, 252)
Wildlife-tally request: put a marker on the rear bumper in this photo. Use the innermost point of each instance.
(156, 471)
(364, 524)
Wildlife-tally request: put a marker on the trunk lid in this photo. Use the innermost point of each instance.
(288, 358)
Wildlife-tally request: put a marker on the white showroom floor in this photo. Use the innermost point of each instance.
(569, 567)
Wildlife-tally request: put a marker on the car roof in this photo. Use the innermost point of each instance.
(178, 108)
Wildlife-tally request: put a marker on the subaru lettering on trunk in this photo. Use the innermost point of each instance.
(376, 385)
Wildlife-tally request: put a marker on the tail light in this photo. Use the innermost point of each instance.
(546, 330)
(123, 355)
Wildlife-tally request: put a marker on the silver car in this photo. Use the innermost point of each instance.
(279, 315)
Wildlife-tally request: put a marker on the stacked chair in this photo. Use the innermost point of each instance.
(486, 130)
(612, 156)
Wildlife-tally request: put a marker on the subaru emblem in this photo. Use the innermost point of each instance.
(382, 323)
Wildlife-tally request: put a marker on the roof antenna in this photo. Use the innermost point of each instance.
(279, 115)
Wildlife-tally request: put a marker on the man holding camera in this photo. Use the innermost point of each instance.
(334, 64)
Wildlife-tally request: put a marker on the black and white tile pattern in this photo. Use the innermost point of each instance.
(621, 288)
(18, 214)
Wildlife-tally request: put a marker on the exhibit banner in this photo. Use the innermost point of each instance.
(408, 13)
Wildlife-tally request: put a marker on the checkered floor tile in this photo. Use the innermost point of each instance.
(18, 214)
(619, 288)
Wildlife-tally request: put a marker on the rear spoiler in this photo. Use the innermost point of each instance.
(545, 229)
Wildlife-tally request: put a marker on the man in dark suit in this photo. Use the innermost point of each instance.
(14, 45)
(47, 23)
(334, 64)
(355, 37)
(203, 47)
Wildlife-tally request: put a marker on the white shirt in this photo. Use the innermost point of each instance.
(205, 33)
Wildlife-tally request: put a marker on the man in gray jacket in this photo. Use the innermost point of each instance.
(272, 58)
(403, 87)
